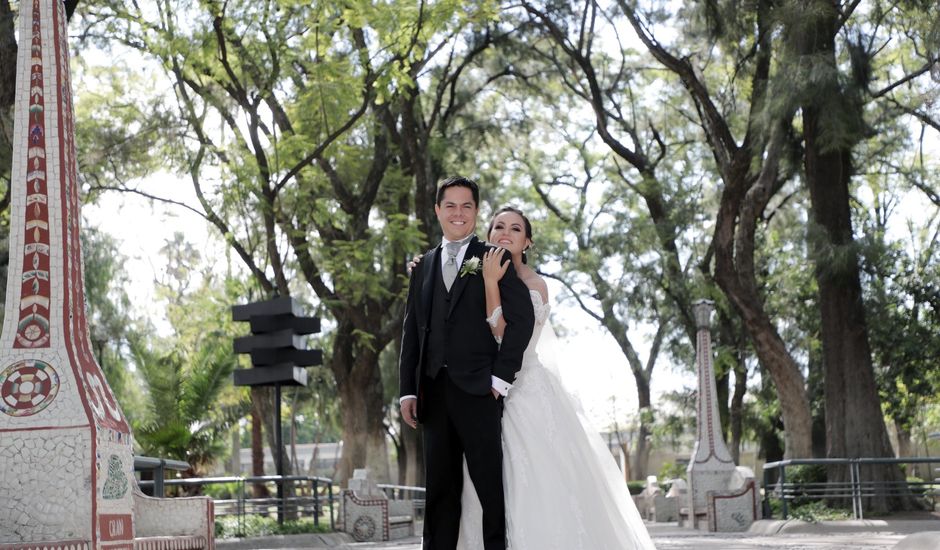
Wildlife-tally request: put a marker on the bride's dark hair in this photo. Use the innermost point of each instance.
(514, 210)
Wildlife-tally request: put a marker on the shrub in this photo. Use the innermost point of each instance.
(817, 511)
(220, 491)
(259, 526)
(671, 470)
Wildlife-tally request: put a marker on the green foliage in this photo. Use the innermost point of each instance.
(816, 511)
(184, 419)
(261, 526)
(630, 240)
(636, 487)
(292, 120)
(804, 482)
(898, 275)
(670, 470)
(110, 316)
(190, 402)
(219, 491)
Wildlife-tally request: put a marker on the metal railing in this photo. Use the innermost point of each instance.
(406, 492)
(158, 466)
(855, 489)
(305, 496)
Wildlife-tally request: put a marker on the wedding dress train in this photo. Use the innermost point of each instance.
(563, 489)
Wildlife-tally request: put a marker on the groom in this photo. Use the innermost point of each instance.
(453, 374)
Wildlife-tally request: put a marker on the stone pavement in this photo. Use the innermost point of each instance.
(765, 535)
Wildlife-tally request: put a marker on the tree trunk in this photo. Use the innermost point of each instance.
(359, 384)
(733, 338)
(642, 448)
(257, 442)
(854, 422)
(855, 425)
(905, 447)
(742, 203)
(417, 161)
(722, 383)
(8, 50)
(737, 408)
(739, 286)
(743, 199)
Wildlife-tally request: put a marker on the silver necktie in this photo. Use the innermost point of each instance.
(450, 266)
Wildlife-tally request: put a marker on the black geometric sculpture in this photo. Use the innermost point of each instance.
(277, 344)
(278, 350)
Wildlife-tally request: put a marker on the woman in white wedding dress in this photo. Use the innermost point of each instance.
(563, 489)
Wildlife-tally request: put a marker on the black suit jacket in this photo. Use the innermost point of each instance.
(473, 355)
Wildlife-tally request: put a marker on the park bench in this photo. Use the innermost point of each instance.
(158, 524)
(183, 523)
(369, 515)
(729, 508)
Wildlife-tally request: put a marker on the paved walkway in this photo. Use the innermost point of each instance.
(765, 535)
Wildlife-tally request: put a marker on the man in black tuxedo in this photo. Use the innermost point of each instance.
(453, 374)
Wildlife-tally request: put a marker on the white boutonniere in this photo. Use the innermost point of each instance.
(471, 266)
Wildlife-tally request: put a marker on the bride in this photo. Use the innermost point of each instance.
(563, 489)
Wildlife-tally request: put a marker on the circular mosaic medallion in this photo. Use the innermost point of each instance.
(27, 387)
(363, 529)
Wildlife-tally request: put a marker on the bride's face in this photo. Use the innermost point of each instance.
(509, 232)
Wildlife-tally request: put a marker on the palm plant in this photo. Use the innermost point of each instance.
(188, 416)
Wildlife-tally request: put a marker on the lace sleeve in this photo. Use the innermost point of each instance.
(493, 319)
(541, 309)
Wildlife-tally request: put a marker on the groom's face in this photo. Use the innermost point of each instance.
(457, 213)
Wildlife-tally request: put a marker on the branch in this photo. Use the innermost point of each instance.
(210, 214)
(846, 13)
(923, 117)
(906, 79)
(574, 293)
(551, 205)
(596, 98)
(315, 154)
(716, 128)
(308, 266)
(655, 347)
(120, 189)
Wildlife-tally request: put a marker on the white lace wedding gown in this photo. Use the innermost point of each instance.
(563, 489)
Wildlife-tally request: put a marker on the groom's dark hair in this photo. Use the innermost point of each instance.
(458, 181)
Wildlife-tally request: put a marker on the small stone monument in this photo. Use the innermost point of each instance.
(719, 498)
(368, 514)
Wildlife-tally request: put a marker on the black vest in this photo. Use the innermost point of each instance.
(437, 335)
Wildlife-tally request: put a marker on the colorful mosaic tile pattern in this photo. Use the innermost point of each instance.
(35, 294)
(66, 451)
(27, 387)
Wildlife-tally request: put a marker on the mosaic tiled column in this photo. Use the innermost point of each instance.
(711, 466)
(66, 463)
